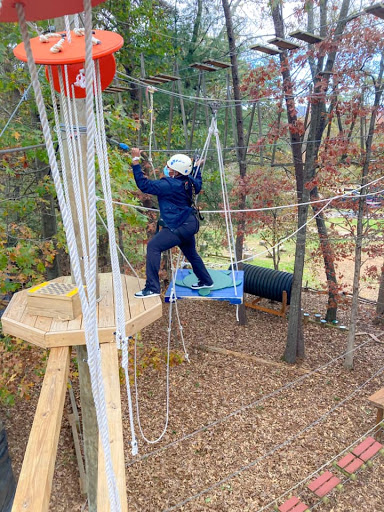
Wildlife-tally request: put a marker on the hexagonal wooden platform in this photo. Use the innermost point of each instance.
(50, 332)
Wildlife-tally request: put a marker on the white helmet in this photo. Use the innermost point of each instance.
(180, 163)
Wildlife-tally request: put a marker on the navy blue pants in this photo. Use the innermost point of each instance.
(184, 237)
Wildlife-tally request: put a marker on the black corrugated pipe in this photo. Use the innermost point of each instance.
(267, 283)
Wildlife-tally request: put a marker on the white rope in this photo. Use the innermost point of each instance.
(151, 91)
(80, 151)
(88, 301)
(94, 352)
(57, 47)
(74, 162)
(219, 421)
(154, 441)
(76, 22)
(44, 38)
(121, 339)
(101, 146)
(173, 300)
(279, 207)
(228, 218)
(67, 28)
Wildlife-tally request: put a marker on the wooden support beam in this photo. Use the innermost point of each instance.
(250, 358)
(265, 49)
(110, 371)
(150, 81)
(217, 63)
(183, 116)
(159, 79)
(35, 481)
(171, 78)
(282, 312)
(283, 43)
(79, 457)
(203, 67)
(306, 36)
(376, 10)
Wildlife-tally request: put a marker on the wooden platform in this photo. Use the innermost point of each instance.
(230, 294)
(49, 332)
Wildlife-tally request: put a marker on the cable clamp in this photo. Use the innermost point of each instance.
(214, 105)
(135, 447)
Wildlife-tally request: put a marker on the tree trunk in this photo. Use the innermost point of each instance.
(295, 339)
(7, 480)
(348, 363)
(379, 319)
(242, 150)
(329, 259)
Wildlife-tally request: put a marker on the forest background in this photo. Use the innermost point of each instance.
(299, 126)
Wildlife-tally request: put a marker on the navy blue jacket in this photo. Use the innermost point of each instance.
(174, 195)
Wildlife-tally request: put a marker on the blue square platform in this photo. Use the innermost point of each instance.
(224, 294)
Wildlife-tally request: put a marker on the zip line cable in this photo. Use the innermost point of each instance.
(227, 102)
(275, 448)
(186, 150)
(23, 98)
(279, 207)
(243, 408)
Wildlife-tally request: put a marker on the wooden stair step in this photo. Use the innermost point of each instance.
(327, 487)
(320, 481)
(350, 463)
(372, 450)
(363, 446)
(293, 505)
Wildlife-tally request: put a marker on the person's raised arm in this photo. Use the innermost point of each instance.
(155, 187)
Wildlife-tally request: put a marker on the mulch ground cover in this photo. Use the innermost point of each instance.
(241, 432)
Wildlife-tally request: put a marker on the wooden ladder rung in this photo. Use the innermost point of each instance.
(323, 484)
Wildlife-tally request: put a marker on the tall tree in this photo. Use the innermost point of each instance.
(306, 168)
(378, 87)
(241, 150)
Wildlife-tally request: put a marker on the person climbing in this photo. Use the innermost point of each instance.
(175, 193)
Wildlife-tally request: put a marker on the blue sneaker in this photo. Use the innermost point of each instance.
(199, 285)
(145, 293)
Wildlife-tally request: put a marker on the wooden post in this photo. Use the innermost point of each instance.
(225, 139)
(88, 412)
(251, 123)
(35, 481)
(110, 371)
(171, 105)
(260, 132)
(195, 110)
(275, 141)
(204, 90)
(182, 107)
(142, 75)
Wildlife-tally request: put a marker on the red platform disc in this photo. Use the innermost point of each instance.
(107, 72)
(42, 9)
(73, 52)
